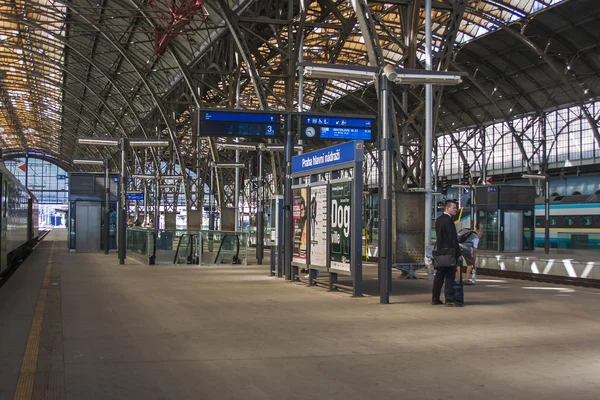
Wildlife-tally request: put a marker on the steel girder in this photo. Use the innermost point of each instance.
(563, 81)
(145, 87)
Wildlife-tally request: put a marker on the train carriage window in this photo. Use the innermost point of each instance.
(586, 221)
(568, 221)
(552, 221)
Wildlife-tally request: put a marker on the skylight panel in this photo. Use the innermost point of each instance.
(30, 58)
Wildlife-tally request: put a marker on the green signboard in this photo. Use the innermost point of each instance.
(340, 212)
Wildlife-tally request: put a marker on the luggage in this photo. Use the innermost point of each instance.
(464, 234)
(459, 294)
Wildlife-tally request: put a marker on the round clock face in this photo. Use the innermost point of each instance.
(310, 132)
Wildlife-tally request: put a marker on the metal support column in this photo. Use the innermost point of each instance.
(123, 202)
(544, 170)
(287, 236)
(237, 191)
(106, 207)
(428, 128)
(385, 198)
(260, 221)
(146, 197)
(27, 170)
(547, 214)
(356, 224)
(211, 198)
(237, 156)
(157, 205)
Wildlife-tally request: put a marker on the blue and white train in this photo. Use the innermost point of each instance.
(574, 222)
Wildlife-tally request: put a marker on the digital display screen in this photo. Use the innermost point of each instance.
(345, 133)
(222, 123)
(332, 121)
(337, 127)
(241, 117)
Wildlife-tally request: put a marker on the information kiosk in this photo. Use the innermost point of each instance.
(327, 208)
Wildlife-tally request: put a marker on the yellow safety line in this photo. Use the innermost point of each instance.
(29, 365)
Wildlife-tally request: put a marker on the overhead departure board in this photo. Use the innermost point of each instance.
(335, 127)
(239, 124)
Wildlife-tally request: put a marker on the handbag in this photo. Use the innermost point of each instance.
(444, 258)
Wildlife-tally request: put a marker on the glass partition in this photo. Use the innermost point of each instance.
(181, 246)
(221, 247)
(140, 242)
(528, 230)
(488, 221)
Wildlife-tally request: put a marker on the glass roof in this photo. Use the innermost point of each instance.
(480, 18)
(110, 75)
(31, 75)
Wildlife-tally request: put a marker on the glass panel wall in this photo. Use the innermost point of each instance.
(49, 184)
(569, 137)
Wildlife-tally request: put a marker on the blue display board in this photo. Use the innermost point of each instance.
(325, 158)
(336, 127)
(239, 124)
(135, 196)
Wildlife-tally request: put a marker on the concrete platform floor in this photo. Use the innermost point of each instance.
(230, 332)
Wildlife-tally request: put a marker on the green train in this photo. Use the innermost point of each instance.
(18, 220)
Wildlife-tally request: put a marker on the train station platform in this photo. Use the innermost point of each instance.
(81, 326)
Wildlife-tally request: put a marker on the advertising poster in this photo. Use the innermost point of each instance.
(340, 212)
(300, 217)
(318, 226)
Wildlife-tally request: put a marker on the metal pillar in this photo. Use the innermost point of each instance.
(547, 214)
(237, 157)
(211, 200)
(260, 220)
(287, 200)
(123, 202)
(544, 169)
(157, 205)
(385, 198)
(106, 207)
(356, 224)
(27, 170)
(237, 191)
(428, 127)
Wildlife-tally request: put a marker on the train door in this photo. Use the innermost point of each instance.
(87, 226)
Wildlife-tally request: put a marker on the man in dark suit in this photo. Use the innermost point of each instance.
(446, 238)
